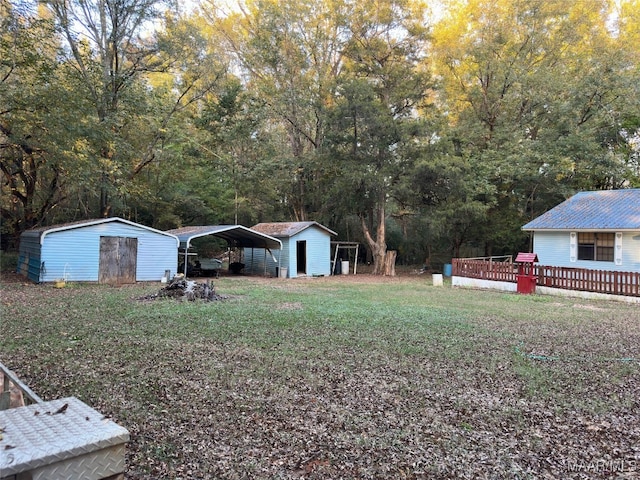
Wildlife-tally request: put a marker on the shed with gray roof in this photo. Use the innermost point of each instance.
(306, 250)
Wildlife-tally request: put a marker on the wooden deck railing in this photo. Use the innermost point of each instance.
(11, 382)
(581, 279)
(485, 269)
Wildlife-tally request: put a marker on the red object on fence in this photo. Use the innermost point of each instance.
(526, 278)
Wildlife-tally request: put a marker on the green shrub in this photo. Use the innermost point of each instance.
(8, 261)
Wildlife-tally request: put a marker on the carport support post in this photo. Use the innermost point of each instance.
(355, 260)
(186, 258)
(279, 257)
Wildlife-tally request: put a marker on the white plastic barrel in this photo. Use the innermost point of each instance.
(345, 267)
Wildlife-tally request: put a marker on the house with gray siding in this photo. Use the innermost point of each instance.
(106, 250)
(306, 250)
(597, 230)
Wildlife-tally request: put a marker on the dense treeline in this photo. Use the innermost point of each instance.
(433, 132)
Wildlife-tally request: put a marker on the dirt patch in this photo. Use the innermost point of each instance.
(593, 308)
(290, 306)
(368, 278)
(13, 277)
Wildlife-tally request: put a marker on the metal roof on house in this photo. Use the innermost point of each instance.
(599, 210)
(236, 235)
(288, 229)
(41, 232)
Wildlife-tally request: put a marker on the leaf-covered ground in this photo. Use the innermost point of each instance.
(352, 378)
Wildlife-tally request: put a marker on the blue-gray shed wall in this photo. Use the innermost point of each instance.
(29, 256)
(74, 254)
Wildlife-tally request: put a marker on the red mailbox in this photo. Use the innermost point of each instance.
(526, 277)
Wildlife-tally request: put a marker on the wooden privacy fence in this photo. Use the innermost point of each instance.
(581, 279)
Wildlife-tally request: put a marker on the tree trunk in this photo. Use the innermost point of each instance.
(378, 246)
(379, 254)
(390, 263)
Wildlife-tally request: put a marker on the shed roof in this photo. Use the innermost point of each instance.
(288, 229)
(41, 232)
(236, 235)
(599, 210)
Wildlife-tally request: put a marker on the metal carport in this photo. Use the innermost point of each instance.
(235, 235)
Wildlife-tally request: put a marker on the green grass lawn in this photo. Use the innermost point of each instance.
(333, 378)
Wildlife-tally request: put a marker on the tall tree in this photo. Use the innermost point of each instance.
(628, 40)
(374, 117)
(107, 52)
(530, 88)
(136, 82)
(237, 140)
(289, 55)
(34, 139)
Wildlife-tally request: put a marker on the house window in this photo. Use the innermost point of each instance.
(596, 246)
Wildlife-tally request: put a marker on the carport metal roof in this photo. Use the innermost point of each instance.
(235, 235)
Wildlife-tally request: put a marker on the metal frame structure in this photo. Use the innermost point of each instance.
(345, 246)
(235, 235)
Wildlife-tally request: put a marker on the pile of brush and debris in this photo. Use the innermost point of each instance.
(181, 288)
